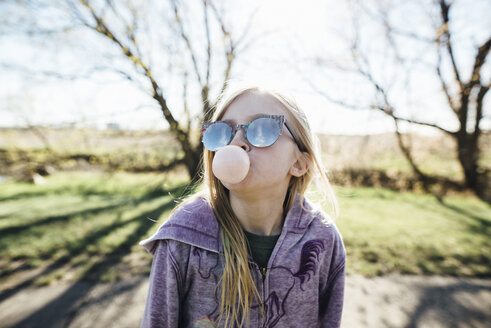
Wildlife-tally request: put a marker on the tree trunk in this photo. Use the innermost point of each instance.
(468, 153)
(192, 161)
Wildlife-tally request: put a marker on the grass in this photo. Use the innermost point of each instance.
(87, 225)
(387, 231)
(82, 225)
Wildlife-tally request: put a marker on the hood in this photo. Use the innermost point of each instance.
(195, 224)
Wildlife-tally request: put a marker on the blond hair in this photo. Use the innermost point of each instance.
(238, 287)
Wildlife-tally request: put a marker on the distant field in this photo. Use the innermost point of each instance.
(88, 224)
(436, 155)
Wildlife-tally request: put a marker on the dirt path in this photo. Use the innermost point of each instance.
(390, 301)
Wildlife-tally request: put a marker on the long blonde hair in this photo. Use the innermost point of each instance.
(238, 287)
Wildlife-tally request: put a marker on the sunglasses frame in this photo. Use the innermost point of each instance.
(235, 127)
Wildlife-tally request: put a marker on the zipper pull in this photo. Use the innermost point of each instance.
(263, 271)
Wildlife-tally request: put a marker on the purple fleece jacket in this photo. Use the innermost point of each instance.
(303, 287)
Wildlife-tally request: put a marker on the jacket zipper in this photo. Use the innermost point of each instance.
(263, 271)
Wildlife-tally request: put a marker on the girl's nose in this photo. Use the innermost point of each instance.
(240, 140)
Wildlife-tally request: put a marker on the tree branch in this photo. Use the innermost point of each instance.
(479, 114)
(387, 108)
(229, 53)
(102, 28)
(445, 89)
(407, 153)
(185, 101)
(208, 42)
(479, 61)
(331, 99)
(187, 41)
(398, 118)
(444, 31)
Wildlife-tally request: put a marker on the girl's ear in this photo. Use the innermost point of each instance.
(301, 166)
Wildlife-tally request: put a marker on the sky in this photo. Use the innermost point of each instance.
(298, 32)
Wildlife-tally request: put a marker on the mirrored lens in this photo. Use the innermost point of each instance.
(217, 135)
(263, 132)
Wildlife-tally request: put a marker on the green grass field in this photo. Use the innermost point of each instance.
(87, 225)
(387, 231)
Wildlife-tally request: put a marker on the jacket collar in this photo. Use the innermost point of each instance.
(195, 224)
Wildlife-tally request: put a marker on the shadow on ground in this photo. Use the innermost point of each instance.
(458, 304)
(392, 301)
(61, 310)
(417, 301)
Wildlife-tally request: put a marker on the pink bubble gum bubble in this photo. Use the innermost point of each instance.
(231, 164)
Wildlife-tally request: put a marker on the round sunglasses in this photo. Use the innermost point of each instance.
(262, 131)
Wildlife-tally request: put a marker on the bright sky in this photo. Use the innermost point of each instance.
(302, 29)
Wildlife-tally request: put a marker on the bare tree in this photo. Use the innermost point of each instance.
(139, 52)
(464, 89)
(468, 97)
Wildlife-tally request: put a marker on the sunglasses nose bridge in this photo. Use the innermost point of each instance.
(237, 127)
(241, 140)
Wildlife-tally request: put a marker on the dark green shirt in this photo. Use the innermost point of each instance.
(261, 247)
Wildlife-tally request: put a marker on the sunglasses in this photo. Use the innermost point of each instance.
(262, 131)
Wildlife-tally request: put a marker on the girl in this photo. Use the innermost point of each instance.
(256, 253)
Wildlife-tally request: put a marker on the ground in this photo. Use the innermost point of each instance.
(388, 301)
